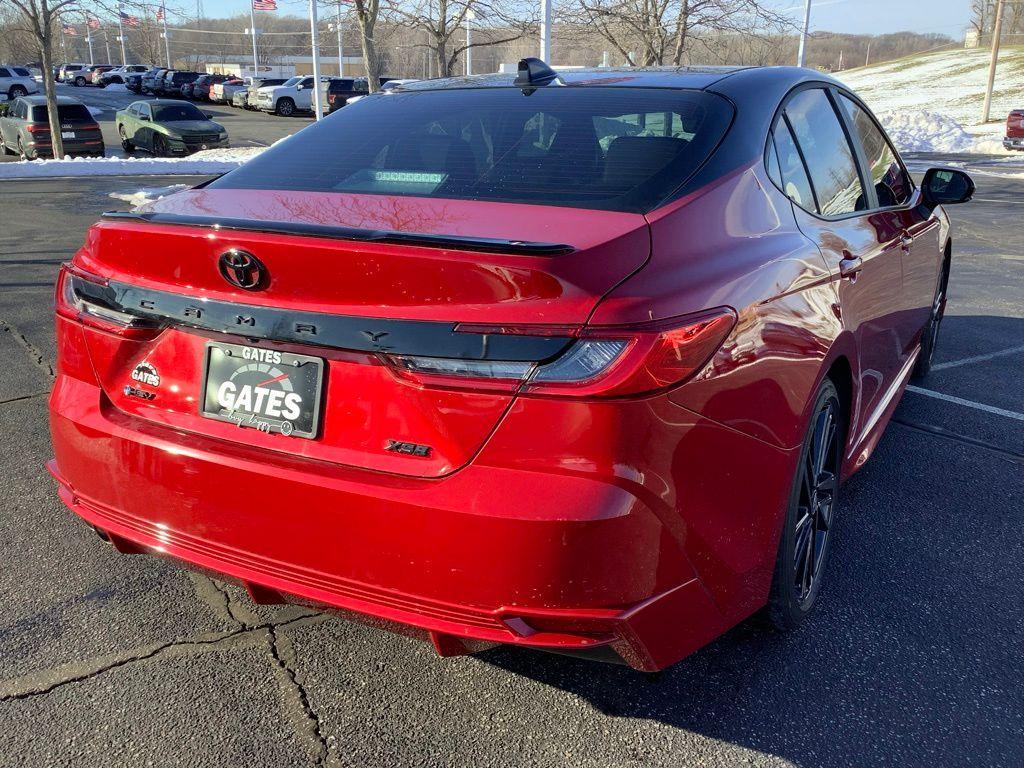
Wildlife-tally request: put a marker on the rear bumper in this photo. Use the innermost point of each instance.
(1013, 142)
(551, 557)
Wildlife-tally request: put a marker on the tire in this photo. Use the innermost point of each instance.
(4, 149)
(285, 107)
(21, 151)
(159, 146)
(807, 530)
(930, 334)
(126, 145)
(16, 91)
(79, 82)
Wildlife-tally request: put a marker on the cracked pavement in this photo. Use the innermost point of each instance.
(913, 659)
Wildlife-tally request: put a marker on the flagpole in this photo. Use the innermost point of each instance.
(63, 43)
(88, 39)
(252, 28)
(106, 42)
(120, 36)
(167, 38)
(341, 55)
(318, 108)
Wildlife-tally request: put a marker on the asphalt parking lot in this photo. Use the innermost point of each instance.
(914, 658)
(245, 128)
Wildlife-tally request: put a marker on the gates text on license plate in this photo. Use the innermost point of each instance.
(266, 389)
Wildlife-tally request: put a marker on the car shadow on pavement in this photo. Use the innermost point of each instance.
(913, 657)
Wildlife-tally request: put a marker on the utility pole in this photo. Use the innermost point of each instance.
(997, 32)
(840, 60)
(318, 108)
(867, 56)
(63, 42)
(106, 42)
(167, 41)
(801, 54)
(545, 31)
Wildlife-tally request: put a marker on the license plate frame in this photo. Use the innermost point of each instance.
(67, 134)
(250, 363)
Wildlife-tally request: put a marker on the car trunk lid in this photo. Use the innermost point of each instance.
(349, 278)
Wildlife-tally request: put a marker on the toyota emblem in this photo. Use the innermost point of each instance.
(242, 269)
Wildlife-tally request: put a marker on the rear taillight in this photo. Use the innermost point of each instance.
(73, 304)
(33, 128)
(601, 362)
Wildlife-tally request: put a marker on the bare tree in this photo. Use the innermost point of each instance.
(652, 32)
(442, 21)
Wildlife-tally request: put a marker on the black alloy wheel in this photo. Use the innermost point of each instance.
(159, 145)
(810, 518)
(930, 334)
(126, 145)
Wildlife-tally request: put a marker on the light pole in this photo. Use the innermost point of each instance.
(252, 29)
(120, 35)
(997, 32)
(801, 54)
(166, 36)
(470, 16)
(545, 31)
(88, 39)
(318, 108)
(341, 53)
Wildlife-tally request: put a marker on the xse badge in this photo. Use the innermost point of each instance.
(265, 389)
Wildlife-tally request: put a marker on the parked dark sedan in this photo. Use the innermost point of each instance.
(134, 83)
(168, 127)
(25, 128)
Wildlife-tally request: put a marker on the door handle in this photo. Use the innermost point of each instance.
(849, 267)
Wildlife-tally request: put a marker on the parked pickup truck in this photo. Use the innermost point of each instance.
(293, 95)
(222, 93)
(1015, 130)
(17, 81)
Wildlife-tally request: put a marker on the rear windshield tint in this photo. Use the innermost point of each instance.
(68, 113)
(624, 149)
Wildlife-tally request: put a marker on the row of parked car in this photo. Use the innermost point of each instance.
(102, 75)
(281, 96)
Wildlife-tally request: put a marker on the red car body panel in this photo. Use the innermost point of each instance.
(1015, 124)
(646, 524)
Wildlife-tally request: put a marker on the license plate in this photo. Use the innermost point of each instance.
(67, 134)
(268, 390)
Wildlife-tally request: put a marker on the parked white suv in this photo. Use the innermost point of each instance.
(120, 74)
(17, 81)
(294, 95)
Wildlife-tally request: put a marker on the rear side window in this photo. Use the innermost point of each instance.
(827, 152)
(792, 171)
(19, 72)
(892, 184)
(4, 72)
(623, 149)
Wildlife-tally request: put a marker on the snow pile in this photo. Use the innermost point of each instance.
(206, 163)
(948, 83)
(116, 88)
(924, 131)
(140, 197)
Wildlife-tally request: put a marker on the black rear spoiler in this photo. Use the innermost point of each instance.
(457, 242)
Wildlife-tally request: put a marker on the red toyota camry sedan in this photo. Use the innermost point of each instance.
(575, 361)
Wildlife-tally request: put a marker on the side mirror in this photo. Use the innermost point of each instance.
(208, 115)
(300, 87)
(945, 186)
(144, 118)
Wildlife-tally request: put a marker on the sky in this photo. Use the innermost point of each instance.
(948, 17)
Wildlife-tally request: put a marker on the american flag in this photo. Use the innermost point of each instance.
(127, 18)
(67, 29)
(264, 5)
(160, 13)
(93, 22)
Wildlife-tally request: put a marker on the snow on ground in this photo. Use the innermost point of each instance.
(211, 161)
(116, 88)
(933, 101)
(94, 111)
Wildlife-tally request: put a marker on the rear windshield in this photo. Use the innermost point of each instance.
(624, 149)
(68, 113)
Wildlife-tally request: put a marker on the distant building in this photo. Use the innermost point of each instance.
(972, 39)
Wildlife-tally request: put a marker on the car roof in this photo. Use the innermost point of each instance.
(693, 78)
(40, 100)
(162, 102)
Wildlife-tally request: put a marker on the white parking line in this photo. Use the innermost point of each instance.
(978, 358)
(967, 403)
